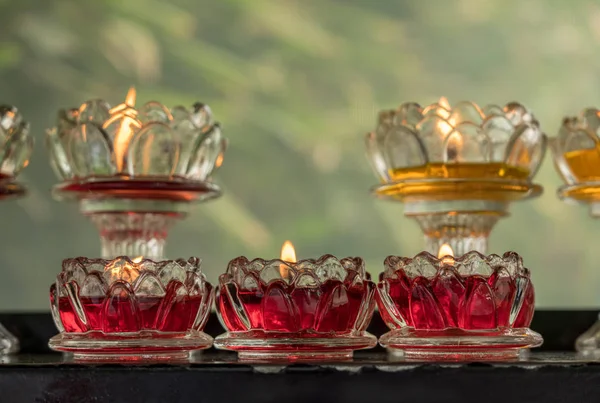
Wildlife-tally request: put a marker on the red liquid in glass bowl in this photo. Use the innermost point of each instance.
(98, 303)
(313, 309)
(474, 292)
(306, 298)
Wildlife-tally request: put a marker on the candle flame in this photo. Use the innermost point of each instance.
(445, 253)
(288, 252)
(123, 270)
(125, 132)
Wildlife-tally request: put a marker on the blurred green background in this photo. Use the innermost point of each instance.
(296, 85)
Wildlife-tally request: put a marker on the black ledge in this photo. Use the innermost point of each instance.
(554, 374)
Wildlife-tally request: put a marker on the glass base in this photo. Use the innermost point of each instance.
(588, 344)
(260, 345)
(142, 346)
(460, 345)
(9, 344)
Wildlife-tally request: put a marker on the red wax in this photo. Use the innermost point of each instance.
(453, 301)
(330, 307)
(130, 315)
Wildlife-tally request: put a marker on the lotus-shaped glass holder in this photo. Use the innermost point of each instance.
(472, 307)
(134, 171)
(456, 169)
(576, 152)
(312, 309)
(130, 310)
(15, 150)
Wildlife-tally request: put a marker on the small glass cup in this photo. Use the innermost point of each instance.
(312, 309)
(130, 310)
(472, 307)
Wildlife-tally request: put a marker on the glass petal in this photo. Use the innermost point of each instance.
(278, 310)
(17, 151)
(375, 157)
(466, 112)
(154, 150)
(333, 312)
(10, 118)
(172, 314)
(154, 112)
(499, 129)
(120, 310)
(527, 309)
(409, 114)
(591, 119)
(467, 143)
(403, 148)
(90, 151)
(201, 115)
(432, 131)
(205, 154)
(526, 149)
(424, 309)
(58, 156)
(94, 111)
(517, 113)
(148, 285)
(449, 291)
(477, 310)
(503, 287)
(492, 110)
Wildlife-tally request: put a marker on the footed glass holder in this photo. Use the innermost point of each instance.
(456, 169)
(576, 152)
(16, 148)
(309, 310)
(134, 171)
(474, 307)
(128, 310)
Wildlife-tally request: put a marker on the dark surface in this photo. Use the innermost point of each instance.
(373, 376)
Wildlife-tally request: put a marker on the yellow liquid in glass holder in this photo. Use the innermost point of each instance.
(493, 170)
(584, 164)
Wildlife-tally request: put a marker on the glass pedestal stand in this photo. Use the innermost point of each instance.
(588, 344)
(459, 213)
(133, 217)
(9, 344)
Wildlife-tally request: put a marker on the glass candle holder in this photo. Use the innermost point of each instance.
(135, 171)
(576, 152)
(456, 169)
(126, 309)
(312, 309)
(17, 145)
(472, 307)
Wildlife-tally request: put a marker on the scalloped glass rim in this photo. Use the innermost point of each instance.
(193, 261)
(160, 187)
(247, 266)
(448, 261)
(450, 189)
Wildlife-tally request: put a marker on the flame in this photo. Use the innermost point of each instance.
(445, 252)
(125, 132)
(123, 271)
(288, 254)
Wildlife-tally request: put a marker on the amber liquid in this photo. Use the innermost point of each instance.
(584, 164)
(491, 170)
